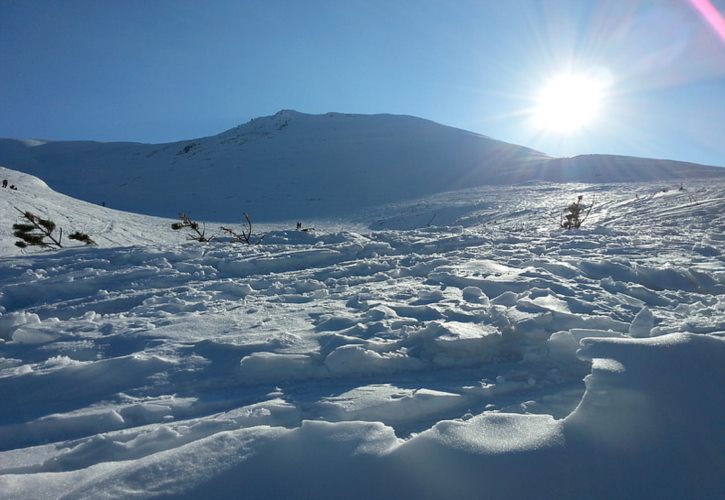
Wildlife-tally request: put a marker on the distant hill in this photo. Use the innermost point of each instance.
(613, 168)
(294, 165)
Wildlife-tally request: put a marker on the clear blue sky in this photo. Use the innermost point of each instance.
(158, 70)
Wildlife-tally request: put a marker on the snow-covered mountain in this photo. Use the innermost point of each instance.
(293, 165)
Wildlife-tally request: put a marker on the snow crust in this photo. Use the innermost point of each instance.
(485, 353)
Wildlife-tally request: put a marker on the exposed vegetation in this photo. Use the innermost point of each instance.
(196, 233)
(245, 236)
(40, 232)
(573, 216)
(82, 237)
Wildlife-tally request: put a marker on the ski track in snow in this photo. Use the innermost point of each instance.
(450, 326)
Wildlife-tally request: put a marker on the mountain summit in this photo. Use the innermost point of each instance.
(293, 165)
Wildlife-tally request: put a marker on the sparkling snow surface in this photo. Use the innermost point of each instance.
(458, 346)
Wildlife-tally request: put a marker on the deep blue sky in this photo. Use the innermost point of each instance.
(156, 71)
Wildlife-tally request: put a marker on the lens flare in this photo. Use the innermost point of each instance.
(711, 15)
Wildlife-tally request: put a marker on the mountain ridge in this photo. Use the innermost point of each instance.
(292, 165)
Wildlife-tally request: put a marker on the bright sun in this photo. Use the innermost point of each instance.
(568, 103)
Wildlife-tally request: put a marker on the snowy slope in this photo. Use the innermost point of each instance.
(294, 166)
(106, 226)
(465, 348)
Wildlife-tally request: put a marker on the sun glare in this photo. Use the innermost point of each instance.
(568, 103)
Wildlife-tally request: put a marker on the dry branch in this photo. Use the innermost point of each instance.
(245, 236)
(197, 233)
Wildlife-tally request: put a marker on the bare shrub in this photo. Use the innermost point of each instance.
(573, 216)
(245, 236)
(196, 232)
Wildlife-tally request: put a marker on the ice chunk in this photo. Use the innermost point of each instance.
(475, 294)
(454, 343)
(507, 299)
(355, 359)
(389, 404)
(9, 323)
(642, 324)
(272, 366)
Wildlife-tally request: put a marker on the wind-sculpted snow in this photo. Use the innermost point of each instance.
(494, 355)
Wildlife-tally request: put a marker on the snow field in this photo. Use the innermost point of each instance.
(410, 360)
